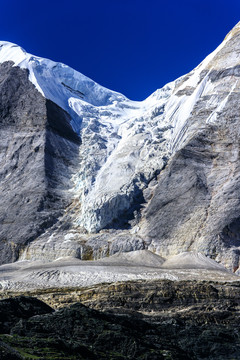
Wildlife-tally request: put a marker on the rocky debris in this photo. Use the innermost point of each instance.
(9, 353)
(191, 260)
(135, 258)
(103, 333)
(138, 320)
(83, 333)
(123, 266)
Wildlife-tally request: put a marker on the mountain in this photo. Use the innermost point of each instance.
(86, 172)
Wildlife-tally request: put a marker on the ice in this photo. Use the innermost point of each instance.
(123, 142)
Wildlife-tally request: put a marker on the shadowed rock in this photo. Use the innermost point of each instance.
(138, 320)
(21, 307)
(37, 155)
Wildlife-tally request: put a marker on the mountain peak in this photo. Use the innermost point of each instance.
(160, 174)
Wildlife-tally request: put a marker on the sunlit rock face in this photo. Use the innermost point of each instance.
(110, 174)
(196, 201)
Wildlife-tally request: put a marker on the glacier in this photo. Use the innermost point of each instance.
(116, 134)
(127, 151)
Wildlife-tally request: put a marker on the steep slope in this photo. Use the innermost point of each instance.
(196, 203)
(38, 149)
(116, 149)
(160, 174)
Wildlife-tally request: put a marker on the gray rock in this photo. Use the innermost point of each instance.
(161, 175)
(196, 203)
(37, 156)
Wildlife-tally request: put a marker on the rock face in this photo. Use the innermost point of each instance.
(78, 159)
(132, 320)
(14, 309)
(196, 202)
(38, 150)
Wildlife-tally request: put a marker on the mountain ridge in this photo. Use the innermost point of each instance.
(161, 174)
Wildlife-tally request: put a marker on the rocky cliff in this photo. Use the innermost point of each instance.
(132, 320)
(87, 172)
(196, 201)
(38, 149)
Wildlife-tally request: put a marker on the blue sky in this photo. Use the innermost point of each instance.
(131, 46)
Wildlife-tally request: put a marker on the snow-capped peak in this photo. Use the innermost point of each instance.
(68, 88)
(57, 74)
(124, 143)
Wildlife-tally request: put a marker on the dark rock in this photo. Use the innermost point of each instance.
(138, 320)
(107, 336)
(14, 309)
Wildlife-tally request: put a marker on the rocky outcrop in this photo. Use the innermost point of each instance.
(61, 243)
(14, 309)
(138, 320)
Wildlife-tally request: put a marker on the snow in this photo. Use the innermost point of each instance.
(63, 85)
(122, 141)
